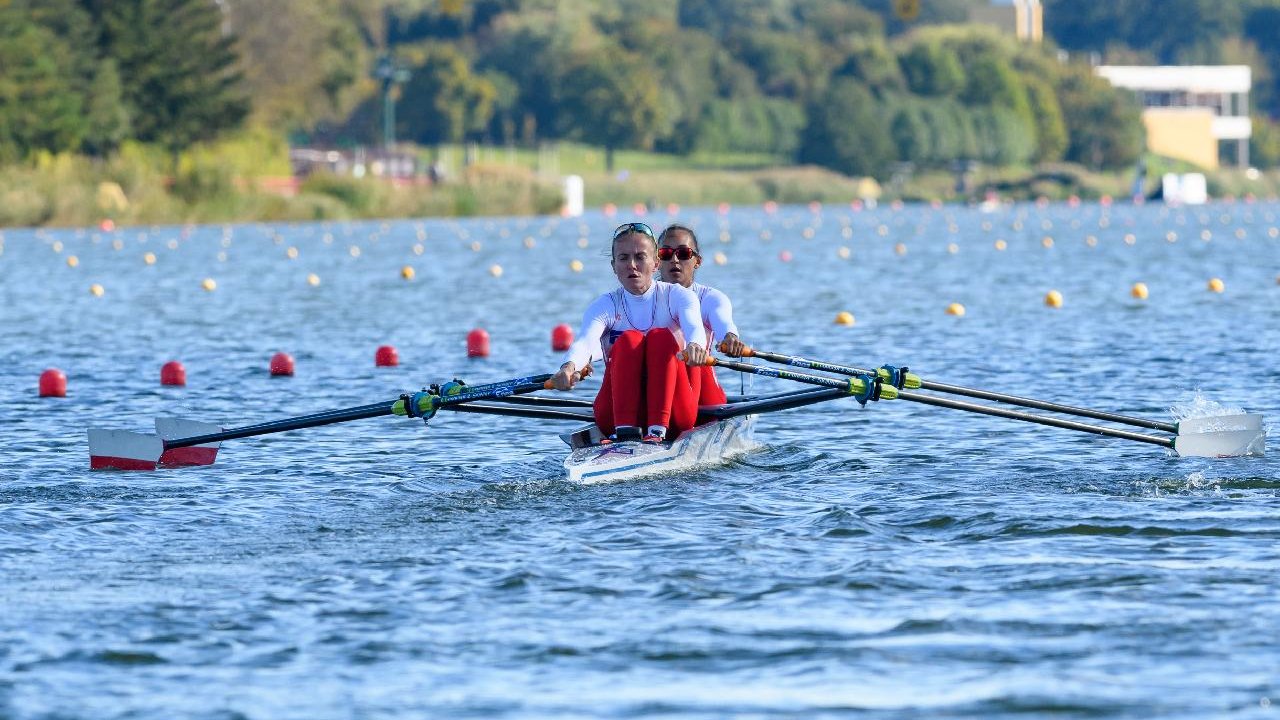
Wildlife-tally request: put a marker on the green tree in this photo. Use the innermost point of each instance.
(1104, 124)
(613, 98)
(845, 133)
(40, 107)
(1051, 131)
(872, 62)
(108, 122)
(179, 71)
(931, 69)
(444, 101)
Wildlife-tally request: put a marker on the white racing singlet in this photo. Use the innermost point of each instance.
(663, 305)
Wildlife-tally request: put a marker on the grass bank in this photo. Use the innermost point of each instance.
(227, 183)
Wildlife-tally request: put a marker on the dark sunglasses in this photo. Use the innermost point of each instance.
(631, 227)
(684, 252)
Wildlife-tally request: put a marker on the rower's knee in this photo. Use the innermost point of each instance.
(629, 340)
(661, 342)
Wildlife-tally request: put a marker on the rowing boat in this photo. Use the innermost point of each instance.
(723, 432)
(713, 443)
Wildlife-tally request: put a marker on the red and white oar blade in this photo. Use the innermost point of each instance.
(123, 450)
(172, 428)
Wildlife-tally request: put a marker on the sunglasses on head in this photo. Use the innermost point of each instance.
(684, 252)
(637, 227)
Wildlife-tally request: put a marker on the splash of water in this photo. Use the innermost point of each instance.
(1199, 406)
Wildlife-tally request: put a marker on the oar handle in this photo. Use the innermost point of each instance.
(582, 375)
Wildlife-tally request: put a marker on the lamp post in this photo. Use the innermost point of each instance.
(391, 75)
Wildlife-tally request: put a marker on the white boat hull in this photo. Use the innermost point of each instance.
(710, 444)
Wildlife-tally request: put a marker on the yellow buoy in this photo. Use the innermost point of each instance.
(291, 253)
(313, 279)
(1053, 299)
(1047, 241)
(57, 246)
(720, 258)
(900, 248)
(1091, 241)
(575, 265)
(209, 285)
(72, 261)
(418, 249)
(354, 250)
(955, 309)
(407, 272)
(495, 270)
(1139, 291)
(843, 253)
(96, 290)
(1001, 245)
(844, 317)
(1130, 239)
(149, 258)
(953, 248)
(1216, 285)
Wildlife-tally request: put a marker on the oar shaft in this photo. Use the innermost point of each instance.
(1049, 406)
(308, 421)
(1031, 417)
(972, 392)
(782, 374)
(954, 404)
(465, 394)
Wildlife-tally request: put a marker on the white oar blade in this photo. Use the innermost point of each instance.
(1221, 436)
(123, 450)
(172, 428)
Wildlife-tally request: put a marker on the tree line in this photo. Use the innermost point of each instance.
(843, 84)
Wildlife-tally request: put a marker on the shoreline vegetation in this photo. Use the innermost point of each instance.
(248, 179)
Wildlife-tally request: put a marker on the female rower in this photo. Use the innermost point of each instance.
(678, 262)
(640, 328)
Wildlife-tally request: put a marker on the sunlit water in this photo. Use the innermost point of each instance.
(898, 560)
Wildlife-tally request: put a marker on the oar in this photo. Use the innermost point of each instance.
(182, 442)
(1244, 437)
(914, 381)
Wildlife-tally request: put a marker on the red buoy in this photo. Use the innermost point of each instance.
(282, 364)
(386, 356)
(53, 383)
(172, 373)
(561, 337)
(478, 343)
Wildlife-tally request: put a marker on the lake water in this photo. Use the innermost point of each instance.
(897, 561)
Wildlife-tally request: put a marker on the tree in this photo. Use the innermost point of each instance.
(40, 107)
(444, 101)
(845, 132)
(179, 71)
(613, 98)
(931, 69)
(1104, 124)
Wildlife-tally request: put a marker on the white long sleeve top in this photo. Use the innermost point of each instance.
(663, 305)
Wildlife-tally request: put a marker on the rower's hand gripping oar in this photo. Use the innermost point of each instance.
(1223, 436)
(184, 442)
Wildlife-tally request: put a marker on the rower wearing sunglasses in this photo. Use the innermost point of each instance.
(678, 261)
(640, 329)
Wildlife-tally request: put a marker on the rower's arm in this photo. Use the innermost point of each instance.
(718, 311)
(595, 321)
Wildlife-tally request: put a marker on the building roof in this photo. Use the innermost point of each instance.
(1184, 78)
